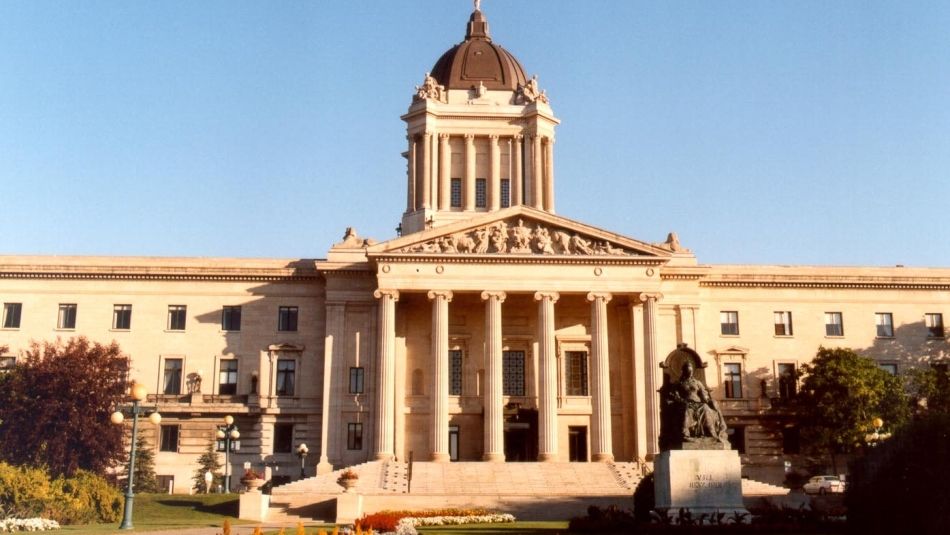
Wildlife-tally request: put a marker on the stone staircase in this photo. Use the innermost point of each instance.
(751, 487)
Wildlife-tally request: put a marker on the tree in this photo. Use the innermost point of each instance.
(208, 462)
(55, 406)
(930, 387)
(842, 393)
(145, 479)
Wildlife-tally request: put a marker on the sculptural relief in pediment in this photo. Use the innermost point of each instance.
(519, 238)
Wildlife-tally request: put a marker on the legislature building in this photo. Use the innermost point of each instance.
(491, 329)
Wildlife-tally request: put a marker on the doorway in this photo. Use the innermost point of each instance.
(453, 442)
(577, 444)
(521, 435)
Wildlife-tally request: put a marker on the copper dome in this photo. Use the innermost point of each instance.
(477, 60)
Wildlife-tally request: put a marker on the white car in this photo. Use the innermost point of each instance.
(823, 485)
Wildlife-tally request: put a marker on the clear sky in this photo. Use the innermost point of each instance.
(807, 132)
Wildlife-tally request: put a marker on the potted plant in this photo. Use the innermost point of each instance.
(252, 480)
(348, 480)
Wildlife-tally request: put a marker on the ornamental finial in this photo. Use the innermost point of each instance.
(478, 5)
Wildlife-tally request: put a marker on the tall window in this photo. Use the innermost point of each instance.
(228, 377)
(455, 372)
(481, 193)
(286, 376)
(512, 369)
(176, 317)
(783, 323)
(283, 438)
(791, 441)
(168, 441)
(287, 319)
(7, 363)
(729, 322)
(455, 197)
(231, 318)
(577, 373)
(885, 324)
(834, 326)
(11, 315)
(733, 380)
(121, 317)
(354, 436)
(505, 192)
(787, 381)
(356, 380)
(934, 322)
(171, 380)
(67, 316)
(889, 367)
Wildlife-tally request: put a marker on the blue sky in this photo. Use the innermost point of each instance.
(762, 132)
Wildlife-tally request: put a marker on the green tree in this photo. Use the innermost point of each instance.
(208, 462)
(930, 387)
(842, 392)
(55, 406)
(145, 479)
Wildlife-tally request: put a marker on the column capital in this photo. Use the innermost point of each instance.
(548, 139)
(493, 137)
(469, 137)
(392, 294)
(553, 296)
(606, 296)
(518, 137)
(428, 133)
(444, 137)
(436, 294)
(490, 294)
(648, 296)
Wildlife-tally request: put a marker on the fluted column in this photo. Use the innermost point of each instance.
(494, 190)
(426, 187)
(601, 435)
(469, 196)
(650, 372)
(494, 422)
(547, 383)
(411, 194)
(445, 173)
(440, 374)
(517, 167)
(332, 347)
(537, 173)
(549, 174)
(386, 375)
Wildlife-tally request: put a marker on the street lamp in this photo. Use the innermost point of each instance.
(302, 452)
(228, 433)
(138, 393)
(876, 435)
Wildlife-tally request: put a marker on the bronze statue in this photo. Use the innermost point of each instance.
(690, 417)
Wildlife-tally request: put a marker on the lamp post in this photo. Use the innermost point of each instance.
(302, 452)
(876, 435)
(138, 394)
(228, 433)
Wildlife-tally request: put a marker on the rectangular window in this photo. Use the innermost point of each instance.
(354, 436)
(356, 380)
(787, 381)
(889, 367)
(934, 322)
(885, 324)
(283, 438)
(791, 443)
(231, 318)
(7, 363)
(512, 373)
(736, 436)
(481, 193)
(783, 323)
(228, 377)
(122, 317)
(456, 193)
(505, 192)
(287, 319)
(169, 438)
(67, 316)
(733, 380)
(729, 322)
(455, 372)
(176, 317)
(286, 376)
(834, 325)
(577, 373)
(171, 384)
(11, 315)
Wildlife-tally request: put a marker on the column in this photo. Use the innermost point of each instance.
(549, 174)
(639, 382)
(537, 174)
(445, 173)
(494, 189)
(601, 435)
(468, 200)
(516, 169)
(494, 422)
(332, 346)
(650, 370)
(411, 194)
(547, 380)
(386, 375)
(426, 187)
(440, 374)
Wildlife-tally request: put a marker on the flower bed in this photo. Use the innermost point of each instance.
(405, 522)
(9, 525)
(407, 526)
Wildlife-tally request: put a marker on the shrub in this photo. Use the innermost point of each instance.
(384, 521)
(611, 518)
(84, 498)
(644, 499)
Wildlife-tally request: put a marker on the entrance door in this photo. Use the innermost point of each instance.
(454, 442)
(577, 444)
(521, 435)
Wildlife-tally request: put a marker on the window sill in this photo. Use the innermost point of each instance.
(884, 337)
(119, 330)
(783, 336)
(944, 337)
(729, 335)
(228, 331)
(174, 330)
(9, 328)
(64, 329)
(834, 336)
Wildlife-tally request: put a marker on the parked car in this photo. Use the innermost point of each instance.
(823, 485)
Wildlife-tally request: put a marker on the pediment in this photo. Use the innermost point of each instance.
(519, 230)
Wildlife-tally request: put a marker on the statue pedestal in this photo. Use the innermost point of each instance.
(700, 481)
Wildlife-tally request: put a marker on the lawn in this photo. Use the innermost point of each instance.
(154, 512)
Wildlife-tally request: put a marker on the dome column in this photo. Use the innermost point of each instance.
(411, 157)
(426, 182)
(445, 170)
(537, 174)
(495, 176)
(549, 174)
(517, 166)
(469, 200)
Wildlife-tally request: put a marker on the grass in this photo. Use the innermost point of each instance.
(154, 512)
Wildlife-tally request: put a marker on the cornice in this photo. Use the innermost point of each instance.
(461, 258)
(119, 275)
(161, 270)
(831, 285)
